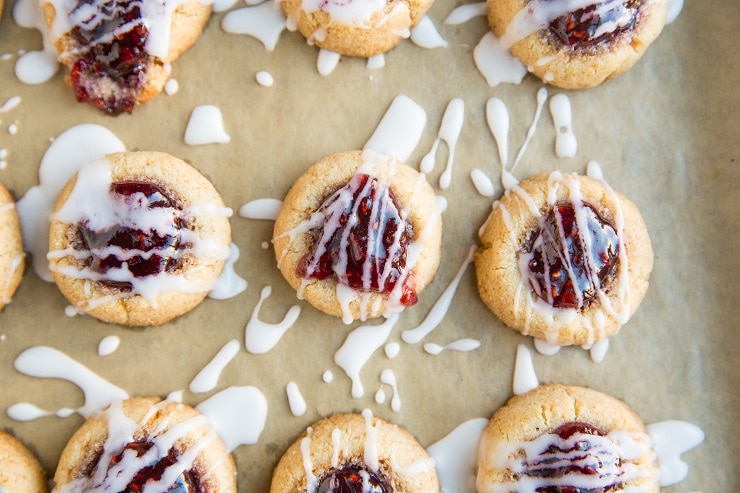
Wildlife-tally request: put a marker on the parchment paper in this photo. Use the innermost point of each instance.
(666, 135)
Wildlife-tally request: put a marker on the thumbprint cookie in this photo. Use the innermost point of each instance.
(564, 258)
(362, 28)
(559, 438)
(358, 235)
(146, 444)
(355, 453)
(118, 52)
(138, 238)
(20, 471)
(12, 258)
(577, 44)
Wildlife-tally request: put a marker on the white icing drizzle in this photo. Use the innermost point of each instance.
(593, 170)
(497, 118)
(261, 209)
(545, 348)
(10, 103)
(357, 348)
(35, 67)
(370, 449)
(455, 456)
(336, 437)
(461, 345)
(482, 183)
(449, 131)
(400, 129)
(392, 349)
(171, 87)
(375, 62)
(525, 378)
(207, 378)
(495, 63)
(206, 126)
(425, 35)
(108, 345)
(566, 144)
(23, 411)
(295, 399)
(47, 362)
(229, 283)
(389, 378)
(60, 162)
(327, 376)
(238, 415)
(264, 22)
(264, 78)
(439, 310)
(541, 99)
(463, 13)
(327, 61)
(260, 337)
(671, 439)
(598, 350)
(674, 9)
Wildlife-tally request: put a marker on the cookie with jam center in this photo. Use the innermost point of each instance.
(577, 45)
(145, 442)
(12, 257)
(362, 28)
(138, 238)
(564, 258)
(20, 471)
(358, 235)
(566, 438)
(346, 451)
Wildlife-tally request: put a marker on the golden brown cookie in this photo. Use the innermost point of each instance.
(116, 73)
(138, 238)
(20, 471)
(566, 436)
(359, 235)
(12, 258)
(564, 258)
(145, 441)
(345, 451)
(577, 48)
(361, 28)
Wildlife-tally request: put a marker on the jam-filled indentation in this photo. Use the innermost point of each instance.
(363, 241)
(574, 256)
(133, 452)
(353, 479)
(596, 23)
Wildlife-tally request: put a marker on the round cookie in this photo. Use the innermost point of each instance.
(20, 471)
(149, 35)
(140, 440)
(577, 48)
(578, 292)
(12, 258)
(344, 208)
(361, 28)
(138, 238)
(346, 449)
(596, 440)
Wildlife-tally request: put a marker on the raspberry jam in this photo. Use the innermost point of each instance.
(352, 479)
(595, 23)
(363, 241)
(158, 245)
(185, 483)
(568, 265)
(109, 55)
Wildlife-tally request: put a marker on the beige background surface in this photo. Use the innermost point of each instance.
(666, 135)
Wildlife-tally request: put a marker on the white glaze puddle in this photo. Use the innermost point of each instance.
(525, 378)
(207, 378)
(425, 35)
(260, 337)
(261, 209)
(449, 132)
(392, 349)
(47, 362)
(400, 129)
(264, 22)
(108, 345)
(439, 310)
(327, 61)
(206, 126)
(389, 378)
(482, 183)
(264, 78)
(238, 414)
(295, 399)
(671, 439)
(229, 283)
(38, 66)
(460, 345)
(495, 63)
(566, 144)
(463, 13)
(455, 456)
(359, 345)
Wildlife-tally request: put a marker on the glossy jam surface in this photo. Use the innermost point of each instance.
(353, 479)
(595, 24)
(185, 483)
(110, 56)
(570, 264)
(363, 242)
(157, 248)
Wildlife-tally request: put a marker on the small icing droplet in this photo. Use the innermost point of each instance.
(328, 376)
(295, 399)
(545, 348)
(425, 35)
(10, 104)
(598, 350)
(392, 349)
(264, 78)
(206, 126)
(376, 62)
(327, 61)
(565, 140)
(265, 245)
(108, 345)
(593, 170)
(261, 209)
(482, 183)
(525, 378)
(171, 87)
(380, 396)
(389, 378)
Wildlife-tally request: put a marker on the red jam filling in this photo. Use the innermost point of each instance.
(185, 483)
(353, 479)
(569, 266)
(165, 244)
(583, 28)
(363, 241)
(110, 56)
